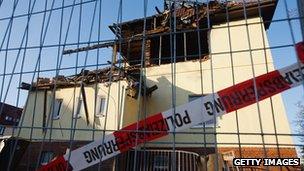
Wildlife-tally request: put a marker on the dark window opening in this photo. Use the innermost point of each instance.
(133, 51)
(187, 47)
(2, 129)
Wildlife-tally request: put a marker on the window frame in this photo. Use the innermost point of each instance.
(53, 109)
(100, 107)
(78, 108)
(186, 49)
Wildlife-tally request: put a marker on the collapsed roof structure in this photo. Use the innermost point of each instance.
(154, 41)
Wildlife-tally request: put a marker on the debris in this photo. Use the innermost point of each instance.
(157, 10)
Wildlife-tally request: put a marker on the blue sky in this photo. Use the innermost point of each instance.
(278, 34)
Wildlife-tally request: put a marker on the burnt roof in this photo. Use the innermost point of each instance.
(216, 10)
(188, 19)
(158, 24)
(87, 77)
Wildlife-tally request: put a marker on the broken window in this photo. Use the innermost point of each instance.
(187, 47)
(78, 108)
(55, 110)
(100, 106)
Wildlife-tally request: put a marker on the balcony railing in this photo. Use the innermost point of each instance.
(158, 160)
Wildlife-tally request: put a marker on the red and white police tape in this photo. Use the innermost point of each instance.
(185, 116)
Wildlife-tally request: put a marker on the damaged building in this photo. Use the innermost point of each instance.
(204, 51)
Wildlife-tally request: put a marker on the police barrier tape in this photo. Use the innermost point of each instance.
(185, 116)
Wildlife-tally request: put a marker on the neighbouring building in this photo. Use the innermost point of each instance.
(207, 60)
(9, 118)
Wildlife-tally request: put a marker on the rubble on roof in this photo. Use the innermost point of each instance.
(186, 18)
(85, 76)
(189, 16)
(105, 75)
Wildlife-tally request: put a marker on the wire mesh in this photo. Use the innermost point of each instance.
(79, 72)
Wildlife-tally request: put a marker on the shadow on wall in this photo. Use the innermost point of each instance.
(161, 100)
(63, 127)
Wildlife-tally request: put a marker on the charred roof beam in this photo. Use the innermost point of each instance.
(87, 48)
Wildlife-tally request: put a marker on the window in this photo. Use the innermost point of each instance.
(2, 129)
(8, 118)
(100, 106)
(78, 108)
(186, 47)
(161, 162)
(208, 124)
(46, 157)
(56, 108)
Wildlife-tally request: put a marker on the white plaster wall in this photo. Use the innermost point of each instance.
(62, 126)
(217, 74)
